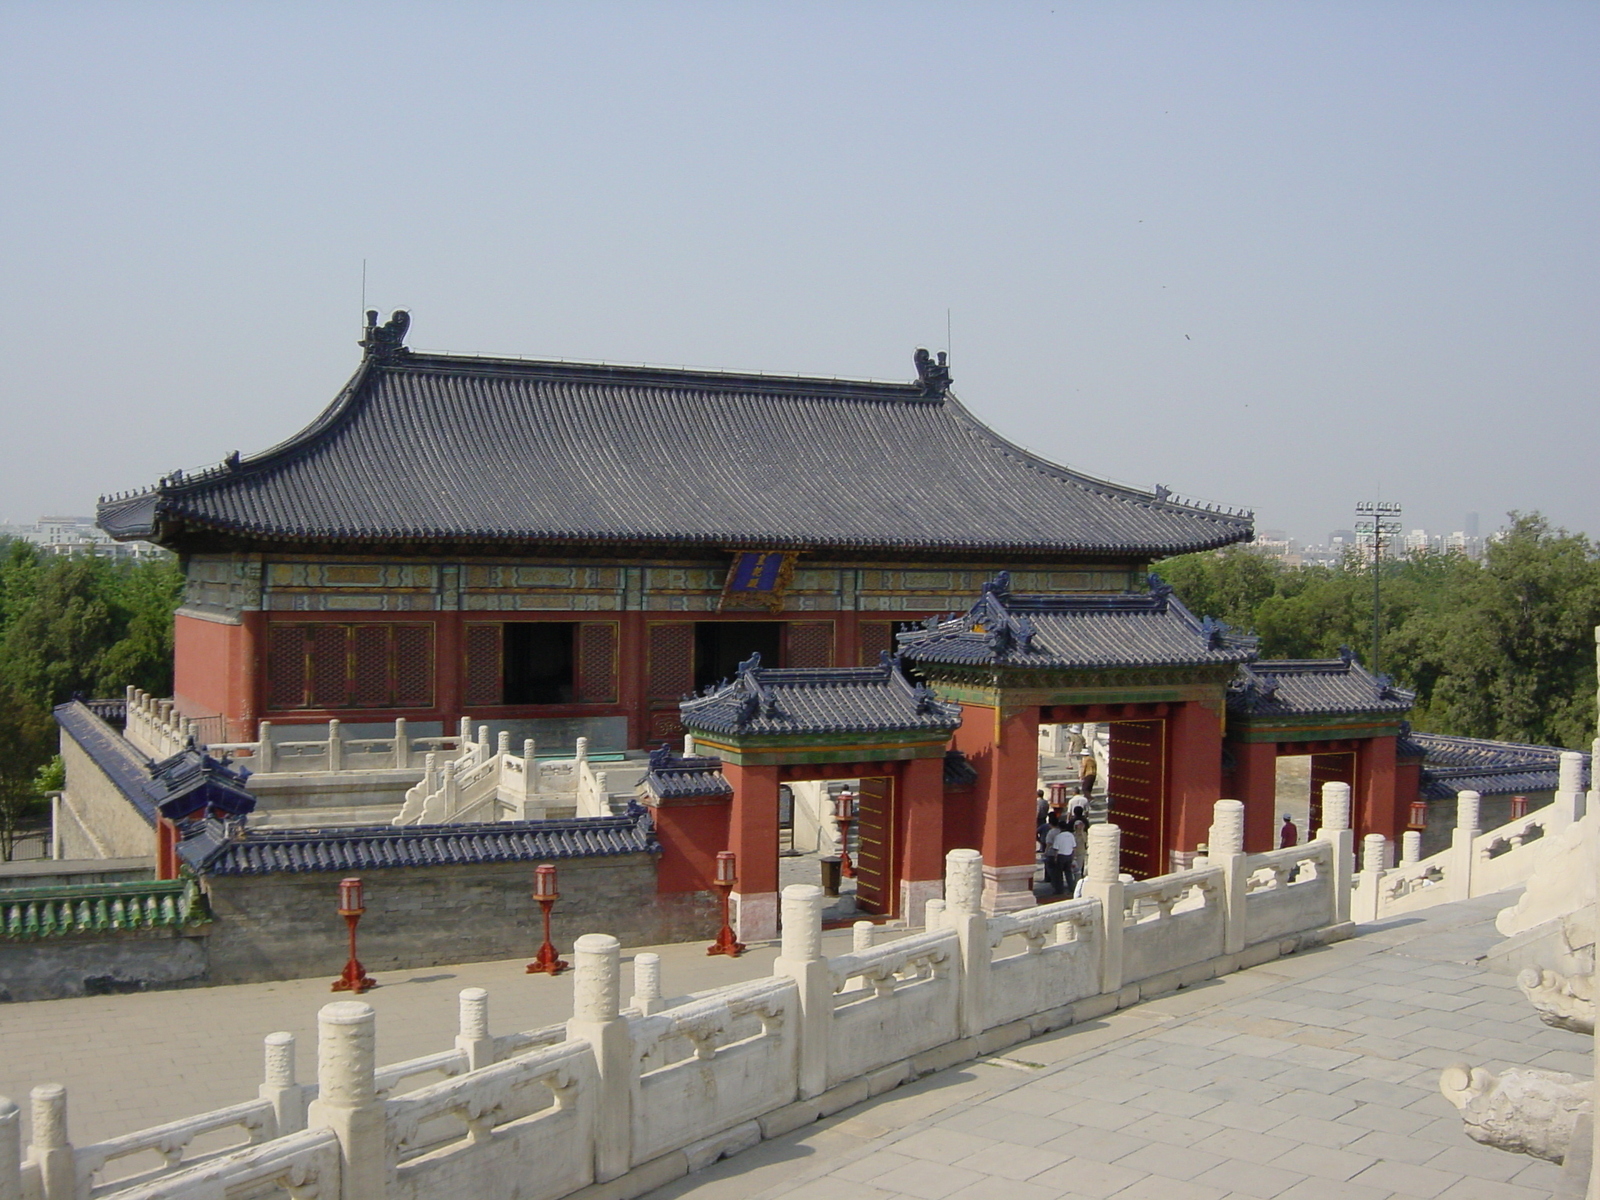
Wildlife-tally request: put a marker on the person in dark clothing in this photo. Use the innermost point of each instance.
(1288, 835)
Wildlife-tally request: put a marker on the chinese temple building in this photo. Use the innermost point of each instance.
(566, 550)
(550, 551)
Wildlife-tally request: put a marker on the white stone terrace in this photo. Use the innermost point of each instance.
(1313, 1076)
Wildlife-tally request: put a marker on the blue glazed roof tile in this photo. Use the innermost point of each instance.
(216, 849)
(1458, 764)
(441, 448)
(1314, 687)
(1102, 631)
(824, 700)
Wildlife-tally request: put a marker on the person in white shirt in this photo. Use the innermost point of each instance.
(1058, 847)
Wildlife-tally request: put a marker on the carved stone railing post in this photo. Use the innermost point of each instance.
(1568, 804)
(801, 959)
(1459, 878)
(402, 743)
(263, 746)
(473, 1038)
(933, 914)
(861, 936)
(11, 1147)
(464, 734)
(287, 1096)
(335, 747)
(1225, 849)
(1411, 846)
(58, 1175)
(347, 1098)
(596, 1003)
(963, 898)
(1336, 830)
(647, 983)
(1103, 881)
(1374, 850)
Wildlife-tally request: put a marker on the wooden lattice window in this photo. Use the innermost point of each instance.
(671, 667)
(368, 665)
(597, 662)
(413, 666)
(876, 637)
(483, 666)
(286, 666)
(810, 644)
(330, 661)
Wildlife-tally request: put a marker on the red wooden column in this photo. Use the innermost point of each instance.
(630, 681)
(1194, 775)
(1004, 748)
(919, 834)
(447, 670)
(753, 836)
(250, 676)
(1255, 782)
(1376, 790)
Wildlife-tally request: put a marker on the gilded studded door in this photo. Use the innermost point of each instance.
(1138, 779)
(876, 889)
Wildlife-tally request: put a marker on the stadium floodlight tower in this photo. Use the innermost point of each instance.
(1377, 523)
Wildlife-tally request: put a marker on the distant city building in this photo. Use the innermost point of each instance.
(69, 536)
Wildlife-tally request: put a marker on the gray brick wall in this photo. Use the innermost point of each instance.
(287, 926)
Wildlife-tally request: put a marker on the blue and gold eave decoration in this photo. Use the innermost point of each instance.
(758, 579)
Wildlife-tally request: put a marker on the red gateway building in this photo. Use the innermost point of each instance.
(564, 550)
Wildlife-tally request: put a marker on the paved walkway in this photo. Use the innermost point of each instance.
(1312, 1078)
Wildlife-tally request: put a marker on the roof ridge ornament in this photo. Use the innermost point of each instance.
(386, 342)
(932, 373)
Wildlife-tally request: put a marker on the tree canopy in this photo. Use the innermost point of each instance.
(1502, 648)
(70, 625)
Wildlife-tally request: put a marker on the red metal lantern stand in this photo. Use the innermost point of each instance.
(844, 813)
(355, 978)
(727, 876)
(547, 961)
(1419, 815)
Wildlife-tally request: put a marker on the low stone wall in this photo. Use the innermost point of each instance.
(101, 964)
(94, 818)
(285, 926)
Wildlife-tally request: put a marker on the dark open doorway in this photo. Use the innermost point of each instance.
(720, 646)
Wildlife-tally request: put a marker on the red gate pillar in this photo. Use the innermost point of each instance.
(1007, 781)
(1376, 789)
(1194, 777)
(1255, 782)
(753, 836)
(919, 835)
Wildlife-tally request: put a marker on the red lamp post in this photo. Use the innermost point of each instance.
(844, 813)
(355, 977)
(727, 876)
(1519, 807)
(1419, 815)
(547, 961)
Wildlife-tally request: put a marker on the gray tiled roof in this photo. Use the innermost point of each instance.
(772, 700)
(1460, 764)
(376, 847)
(176, 787)
(684, 777)
(437, 448)
(1313, 687)
(1124, 629)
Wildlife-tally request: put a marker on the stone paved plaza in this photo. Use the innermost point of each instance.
(1312, 1077)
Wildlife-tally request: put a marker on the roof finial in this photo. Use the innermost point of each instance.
(385, 341)
(933, 374)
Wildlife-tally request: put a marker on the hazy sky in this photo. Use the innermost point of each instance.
(1281, 255)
